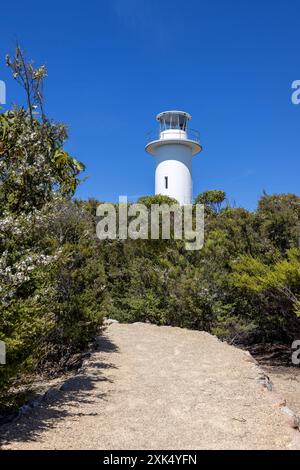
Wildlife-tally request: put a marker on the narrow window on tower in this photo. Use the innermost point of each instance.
(166, 182)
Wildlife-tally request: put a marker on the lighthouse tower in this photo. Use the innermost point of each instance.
(173, 150)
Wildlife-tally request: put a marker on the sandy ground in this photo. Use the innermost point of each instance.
(152, 387)
(287, 383)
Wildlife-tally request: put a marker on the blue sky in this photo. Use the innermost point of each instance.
(113, 65)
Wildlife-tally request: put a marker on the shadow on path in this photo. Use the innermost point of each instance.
(70, 399)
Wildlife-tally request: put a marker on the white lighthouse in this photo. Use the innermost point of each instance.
(173, 150)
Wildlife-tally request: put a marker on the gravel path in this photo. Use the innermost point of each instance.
(287, 383)
(155, 387)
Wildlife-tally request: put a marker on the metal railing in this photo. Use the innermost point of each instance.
(191, 134)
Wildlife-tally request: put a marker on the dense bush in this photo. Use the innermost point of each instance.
(214, 288)
(52, 286)
(51, 282)
(157, 199)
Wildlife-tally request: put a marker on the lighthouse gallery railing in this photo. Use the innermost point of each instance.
(191, 134)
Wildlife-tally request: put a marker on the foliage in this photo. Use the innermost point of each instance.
(51, 282)
(31, 79)
(33, 164)
(52, 286)
(281, 278)
(278, 218)
(157, 199)
(212, 199)
(208, 289)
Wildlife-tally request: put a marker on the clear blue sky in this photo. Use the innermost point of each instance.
(113, 65)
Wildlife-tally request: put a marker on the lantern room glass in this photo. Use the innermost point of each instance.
(173, 121)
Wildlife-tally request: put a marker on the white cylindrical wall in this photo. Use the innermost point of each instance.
(173, 134)
(174, 162)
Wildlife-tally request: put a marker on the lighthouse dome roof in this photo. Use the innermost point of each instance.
(168, 114)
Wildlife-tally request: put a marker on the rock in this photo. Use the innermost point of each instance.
(297, 422)
(76, 383)
(277, 400)
(292, 419)
(35, 403)
(265, 382)
(25, 410)
(249, 358)
(109, 321)
(52, 394)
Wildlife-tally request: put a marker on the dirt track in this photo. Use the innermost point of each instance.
(157, 388)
